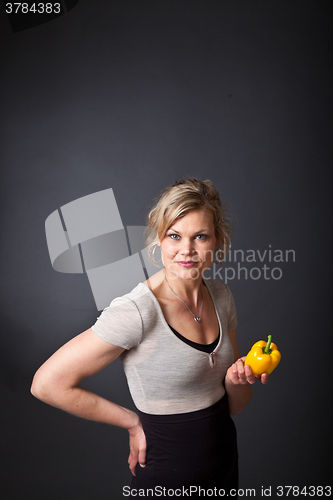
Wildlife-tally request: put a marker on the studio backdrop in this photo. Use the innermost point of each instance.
(103, 104)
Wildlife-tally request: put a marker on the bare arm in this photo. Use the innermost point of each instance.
(238, 379)
(56, 383)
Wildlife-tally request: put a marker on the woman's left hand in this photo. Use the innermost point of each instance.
(240, 374)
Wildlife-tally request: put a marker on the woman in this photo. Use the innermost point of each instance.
(176, 337)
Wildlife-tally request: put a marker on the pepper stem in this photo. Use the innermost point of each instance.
(267, 348)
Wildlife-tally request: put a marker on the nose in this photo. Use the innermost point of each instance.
(187, 247)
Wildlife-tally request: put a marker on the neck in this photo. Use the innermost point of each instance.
(187, 289)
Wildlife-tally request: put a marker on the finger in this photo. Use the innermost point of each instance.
(132, 467)
(232, 373)
(240, 366)
(132, 461)
(236, 373)
(241, 372)
(250, 378)
(132, 470)
(264, 378)
(249, 375)
(142, 457)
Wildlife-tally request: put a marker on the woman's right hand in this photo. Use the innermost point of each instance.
(137, 442)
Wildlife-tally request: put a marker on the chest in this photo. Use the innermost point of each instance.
(182, 320)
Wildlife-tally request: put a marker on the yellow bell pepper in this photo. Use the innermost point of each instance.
(263, 357)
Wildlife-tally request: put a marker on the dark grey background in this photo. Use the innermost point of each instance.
(134, 95)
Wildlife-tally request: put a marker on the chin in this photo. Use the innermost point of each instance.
(184, 273)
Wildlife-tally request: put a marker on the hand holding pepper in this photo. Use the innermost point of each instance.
(242, 374)
(263, 357)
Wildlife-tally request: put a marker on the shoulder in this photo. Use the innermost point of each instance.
(142, 299)
(221, 293)
(217, 288)
(141, 296)
(123, 322)
(224, 301)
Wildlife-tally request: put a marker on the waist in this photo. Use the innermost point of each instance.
(221, 407)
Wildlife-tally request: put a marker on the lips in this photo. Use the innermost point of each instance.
(186, 263)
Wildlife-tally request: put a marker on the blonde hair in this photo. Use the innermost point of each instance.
(177, 200)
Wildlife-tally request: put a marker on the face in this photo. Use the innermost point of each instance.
(189, 244)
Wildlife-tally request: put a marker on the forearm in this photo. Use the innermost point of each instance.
(239, 395)
(86, 404)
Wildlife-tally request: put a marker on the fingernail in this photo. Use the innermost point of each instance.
(142, 465)
(247, 369)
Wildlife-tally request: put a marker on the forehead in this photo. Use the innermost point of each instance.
(195, 219)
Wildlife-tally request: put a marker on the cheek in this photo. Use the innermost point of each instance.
(169, 250)
(208, 254)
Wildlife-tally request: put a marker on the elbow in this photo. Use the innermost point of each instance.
(48, 388)
(238, 408)
(36, 387)
(41, 388)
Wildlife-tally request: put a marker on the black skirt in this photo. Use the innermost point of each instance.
(186, 452)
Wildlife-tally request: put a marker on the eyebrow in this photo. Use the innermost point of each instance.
(197, 232)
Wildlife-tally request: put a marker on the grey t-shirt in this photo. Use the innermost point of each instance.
(165, 375)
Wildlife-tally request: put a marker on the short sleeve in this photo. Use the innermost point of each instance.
(232, 317)
(120, 324)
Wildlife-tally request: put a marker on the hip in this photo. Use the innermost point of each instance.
(195, 448)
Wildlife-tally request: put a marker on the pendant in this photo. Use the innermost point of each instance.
(197, 318)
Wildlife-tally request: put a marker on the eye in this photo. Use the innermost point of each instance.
(202, 236)
(173, 236)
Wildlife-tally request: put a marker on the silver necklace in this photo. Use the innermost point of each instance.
(196, 318)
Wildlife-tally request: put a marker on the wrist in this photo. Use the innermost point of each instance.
(133, 422)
